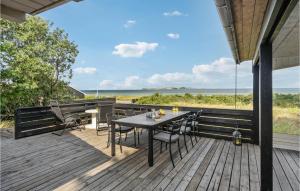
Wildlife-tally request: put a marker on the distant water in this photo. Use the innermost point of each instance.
(108, 93)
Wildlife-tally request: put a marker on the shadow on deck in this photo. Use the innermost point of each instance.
(80, 161)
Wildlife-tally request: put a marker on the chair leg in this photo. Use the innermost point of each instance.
(160, 147)
(191, 139)
(179, 149)
(185, 143)
(125, 136)
(138, 137)
(120, 140)
(194, 133)
(171, 156)
(120, 137)
(134, 132)
(61, 133)
(108, 138)
(166, 146)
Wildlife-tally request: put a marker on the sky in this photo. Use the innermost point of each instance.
(136, 44)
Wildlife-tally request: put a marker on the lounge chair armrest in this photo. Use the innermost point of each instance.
(75, 115)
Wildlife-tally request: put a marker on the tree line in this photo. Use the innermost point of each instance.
(36, 63)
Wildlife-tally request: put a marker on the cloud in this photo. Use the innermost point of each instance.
(85, 70)
(130, 81)
(169, 78)
(136, 50)
(173, 35)
(221, 66)
(129, 23)
(174, 13)
(106, 84)
(220, 73)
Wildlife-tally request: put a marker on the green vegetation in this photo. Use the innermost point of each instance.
(197, 100)
(286, 107)
(36, 62)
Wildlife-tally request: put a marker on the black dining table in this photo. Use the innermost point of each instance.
(141, 121)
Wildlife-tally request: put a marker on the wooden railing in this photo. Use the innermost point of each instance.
(214, 123)
(36, 120)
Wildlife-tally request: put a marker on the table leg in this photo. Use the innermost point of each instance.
(150, 147)
(113, 140)
(94, 120)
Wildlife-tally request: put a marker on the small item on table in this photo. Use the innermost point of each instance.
(175, 109)
(162, 112)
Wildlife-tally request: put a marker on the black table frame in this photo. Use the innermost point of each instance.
(150, 129)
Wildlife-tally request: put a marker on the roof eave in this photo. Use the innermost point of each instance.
(224, 10)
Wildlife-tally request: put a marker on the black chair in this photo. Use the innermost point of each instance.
(169, 137)
(101, 118)
(186, 129)
(120, 129)
(72, 121)
(196, 122)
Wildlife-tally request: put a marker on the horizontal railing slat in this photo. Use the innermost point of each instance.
(214, 123)
(36, 120)
(244, 132)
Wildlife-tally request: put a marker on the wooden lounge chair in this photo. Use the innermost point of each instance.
(72, 121)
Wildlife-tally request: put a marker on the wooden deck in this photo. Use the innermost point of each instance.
(81, 161)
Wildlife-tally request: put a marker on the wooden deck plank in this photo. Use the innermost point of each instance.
(236, 170)
(190, 156)
(189, 165)
(276, 185)
(150, 182)
(225, 180)
(253, 169)
(257, 157)
(113, 175)
(147, 180)
(191, 172)
(291, 177)
(215, 181)
(80, 161)
(211, 168)
(244, 182)
(92, 175)
(146, 170)
(295, 156)
(294, 166)
(193, 184)
(282, 179)
(133, 172)
(57, 170)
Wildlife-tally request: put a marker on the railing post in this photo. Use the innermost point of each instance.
(17, 122)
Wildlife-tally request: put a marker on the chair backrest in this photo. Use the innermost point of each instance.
(199, 113)
(108, 118)
(56, 110)
(103, 110)
(129, 112)
(189, 121)
(176, 126)
(138, 112)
